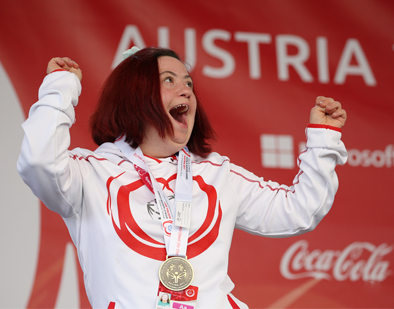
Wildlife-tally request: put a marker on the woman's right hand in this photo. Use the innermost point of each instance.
(64, 63)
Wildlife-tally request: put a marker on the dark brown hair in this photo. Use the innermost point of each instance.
(130, 100)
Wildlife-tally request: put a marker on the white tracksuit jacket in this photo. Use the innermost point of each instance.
(112, 218)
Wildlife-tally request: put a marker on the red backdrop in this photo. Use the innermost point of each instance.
(258, 67)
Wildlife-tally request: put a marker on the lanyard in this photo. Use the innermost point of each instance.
(175, 233)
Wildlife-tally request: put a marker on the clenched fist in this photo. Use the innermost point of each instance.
(64, 63)
(327, 111)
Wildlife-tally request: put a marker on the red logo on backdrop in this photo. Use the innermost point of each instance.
(150, 247)
(358, 261)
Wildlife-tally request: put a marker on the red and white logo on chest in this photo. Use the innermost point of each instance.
(138, 239)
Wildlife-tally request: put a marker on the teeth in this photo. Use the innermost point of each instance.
(183, 108)
(177, 112)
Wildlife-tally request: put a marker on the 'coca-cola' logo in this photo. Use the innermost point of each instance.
(358, 261)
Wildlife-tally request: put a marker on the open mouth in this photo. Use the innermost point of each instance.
(179, 113)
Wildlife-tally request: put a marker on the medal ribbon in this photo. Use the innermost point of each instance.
(175, 235)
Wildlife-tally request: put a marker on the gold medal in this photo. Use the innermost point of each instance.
(176, 273)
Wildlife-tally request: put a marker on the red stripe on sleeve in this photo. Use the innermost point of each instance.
(323, 126)
(58, 70)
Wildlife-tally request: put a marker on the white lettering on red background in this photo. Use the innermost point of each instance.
(256, 41)
(376, 158)
(379, 158)
(358, 261)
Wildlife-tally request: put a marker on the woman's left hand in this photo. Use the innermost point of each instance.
(328, 112)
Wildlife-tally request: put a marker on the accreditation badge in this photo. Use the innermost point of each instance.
(185, 299)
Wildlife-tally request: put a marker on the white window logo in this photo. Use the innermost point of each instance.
(277, 151)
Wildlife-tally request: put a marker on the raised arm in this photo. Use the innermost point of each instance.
(274, 210)
(44, 163)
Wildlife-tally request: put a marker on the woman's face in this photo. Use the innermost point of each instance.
(176, 87)
(164, 298)
(179, 101)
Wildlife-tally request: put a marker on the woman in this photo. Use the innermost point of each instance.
(164, 300)
(119, 201)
